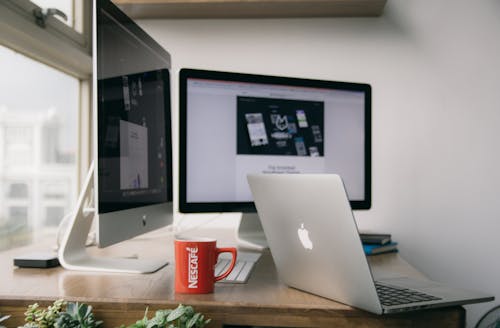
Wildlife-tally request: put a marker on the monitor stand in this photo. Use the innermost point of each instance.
(250, 233)
(73, 254)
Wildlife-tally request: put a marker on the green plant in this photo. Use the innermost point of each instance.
(181, 317)
(37, 317)
(61, 315)
(77, 315)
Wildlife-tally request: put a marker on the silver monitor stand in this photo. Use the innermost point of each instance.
(250, 233)
(73, 254)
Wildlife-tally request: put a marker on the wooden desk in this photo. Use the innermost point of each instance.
(264, 301)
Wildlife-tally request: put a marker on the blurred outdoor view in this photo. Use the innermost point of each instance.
(38, 148)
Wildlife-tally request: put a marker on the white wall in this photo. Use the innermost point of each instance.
(434, 67)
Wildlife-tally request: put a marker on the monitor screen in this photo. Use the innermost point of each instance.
(233, 124)
(131, 141)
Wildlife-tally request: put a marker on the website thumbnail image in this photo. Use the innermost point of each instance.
(272, 126)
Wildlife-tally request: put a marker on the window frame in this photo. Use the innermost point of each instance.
(61, 47)
(57, 45)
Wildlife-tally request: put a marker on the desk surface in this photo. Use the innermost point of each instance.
(263, 301)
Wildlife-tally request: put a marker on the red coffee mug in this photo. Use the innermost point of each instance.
(195, 261)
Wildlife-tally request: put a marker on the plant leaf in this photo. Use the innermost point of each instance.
(177, 313)
(82, 310)
(71, 308)
(160, 318)
(192, 322)
(152, 324)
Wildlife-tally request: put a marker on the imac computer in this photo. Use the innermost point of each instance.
(232, 124)
(129, 185)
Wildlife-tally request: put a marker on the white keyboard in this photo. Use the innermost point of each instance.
(245, 263)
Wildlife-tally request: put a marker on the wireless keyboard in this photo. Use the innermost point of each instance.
(245, 263)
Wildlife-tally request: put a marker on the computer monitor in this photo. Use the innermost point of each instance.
(132, 171)
(232, 124)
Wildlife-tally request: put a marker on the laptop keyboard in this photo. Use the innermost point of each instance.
(390, 295)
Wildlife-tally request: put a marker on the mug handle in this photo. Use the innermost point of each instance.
(231, 250)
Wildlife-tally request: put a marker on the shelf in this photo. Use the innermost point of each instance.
(250, 8)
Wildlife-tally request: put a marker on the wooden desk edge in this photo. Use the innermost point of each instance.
(117, 313)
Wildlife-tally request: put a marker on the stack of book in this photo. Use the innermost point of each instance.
(378, 243)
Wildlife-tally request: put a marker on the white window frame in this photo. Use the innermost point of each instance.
(60, 46)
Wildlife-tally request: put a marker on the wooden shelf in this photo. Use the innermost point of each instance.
(250, 8)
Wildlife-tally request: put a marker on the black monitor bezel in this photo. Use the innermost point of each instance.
(249, 207)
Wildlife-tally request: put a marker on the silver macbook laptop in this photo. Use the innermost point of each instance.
(315, 244)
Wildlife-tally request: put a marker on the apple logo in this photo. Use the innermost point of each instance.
(304, 237)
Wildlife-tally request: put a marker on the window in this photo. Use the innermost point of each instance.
(44, 116)
(18, 215)
(18, 190)
(18, 140)
(53, 215)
